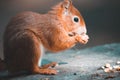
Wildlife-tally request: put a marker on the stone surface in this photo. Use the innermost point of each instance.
(80, 64)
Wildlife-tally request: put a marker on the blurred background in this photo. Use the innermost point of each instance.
(102, 17)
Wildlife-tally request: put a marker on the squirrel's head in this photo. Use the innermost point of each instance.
(70, 17)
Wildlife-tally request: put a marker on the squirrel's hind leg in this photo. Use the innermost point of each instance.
(37, 54)
(45, 71)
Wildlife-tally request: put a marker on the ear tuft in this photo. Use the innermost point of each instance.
(67, 3)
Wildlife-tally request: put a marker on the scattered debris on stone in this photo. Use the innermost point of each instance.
(75, 74)
(110, 68)
(97, 75)
(61, 63)
(107, 70)
(110, 77)
(118, 62)
(45, 79)
(107, 65)
(116, 66)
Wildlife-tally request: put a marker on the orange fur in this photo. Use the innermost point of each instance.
(56, 31)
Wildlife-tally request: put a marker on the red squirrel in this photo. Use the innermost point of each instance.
(28, 32)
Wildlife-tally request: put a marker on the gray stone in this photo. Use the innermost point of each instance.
(80, 64)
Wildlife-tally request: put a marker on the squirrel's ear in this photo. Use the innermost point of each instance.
(66, 5)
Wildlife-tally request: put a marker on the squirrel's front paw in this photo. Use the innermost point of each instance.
(85, 38)
(82, 38)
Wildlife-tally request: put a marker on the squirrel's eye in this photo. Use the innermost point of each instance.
(76, 19)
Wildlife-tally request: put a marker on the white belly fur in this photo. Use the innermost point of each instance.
(42, 53)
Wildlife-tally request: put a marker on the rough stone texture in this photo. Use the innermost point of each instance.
(80, 64)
